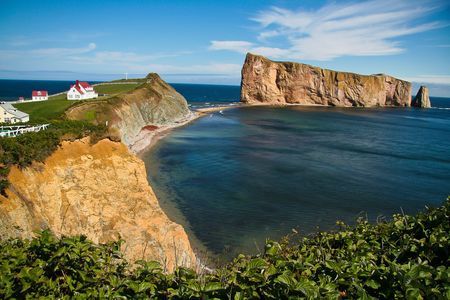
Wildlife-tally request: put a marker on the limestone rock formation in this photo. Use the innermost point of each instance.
(100, 191)
(268, 82)
(422, 98)
(153, 103)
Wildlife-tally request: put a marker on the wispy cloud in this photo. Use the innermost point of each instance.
(88, 55)
(63, 51)
(206, 68)
(431, 79)
(122, 57)
(237, 46)
(48, 52)
(366, 28)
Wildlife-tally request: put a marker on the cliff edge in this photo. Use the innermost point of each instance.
(100, 191)
(152, 103)
(268, 82)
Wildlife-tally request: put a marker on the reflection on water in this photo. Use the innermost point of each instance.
(252, 173)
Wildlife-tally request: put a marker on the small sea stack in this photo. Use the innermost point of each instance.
(422, 98)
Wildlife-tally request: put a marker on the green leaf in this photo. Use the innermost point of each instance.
(413, 293)
(256, 263)
(372, 284)
(212, 286)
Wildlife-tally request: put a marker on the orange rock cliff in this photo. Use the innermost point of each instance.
(268, 82)
(101, 190)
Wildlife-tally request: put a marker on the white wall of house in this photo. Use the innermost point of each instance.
(7, 117)
(74, 94)
(39, 98)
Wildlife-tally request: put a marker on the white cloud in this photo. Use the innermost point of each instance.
(120, 57)
(431, 79)
(63, 51)
(237, 46)
(343, 29)
(207, 68)
(48, 52)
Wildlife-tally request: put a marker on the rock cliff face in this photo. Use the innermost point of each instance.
(153, 103)
(268, 82)
(100, 191)
(422, 98)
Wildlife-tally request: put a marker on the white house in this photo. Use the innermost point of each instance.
(10, 114)
(39, 95)
(81, 90)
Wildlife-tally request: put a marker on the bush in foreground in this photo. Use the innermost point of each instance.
(405, 258)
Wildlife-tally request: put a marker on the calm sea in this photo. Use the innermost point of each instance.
(238, 177)
(251, 173)
(196, 94)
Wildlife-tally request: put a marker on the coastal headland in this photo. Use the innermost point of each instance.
(277, 83)
(100, 189)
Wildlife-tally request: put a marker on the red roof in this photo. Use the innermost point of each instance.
(84, 84)
(39, 93)
(79, 84)
(77, 87)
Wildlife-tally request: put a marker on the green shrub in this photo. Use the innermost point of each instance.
(405, 258)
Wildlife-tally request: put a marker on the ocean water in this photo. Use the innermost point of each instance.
(237, 178)
(251, 173)
(11, 89)
(199, 95)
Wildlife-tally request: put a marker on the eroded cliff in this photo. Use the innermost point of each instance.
(268, 82)
(100, 191)
(422, 98)
(152, 103)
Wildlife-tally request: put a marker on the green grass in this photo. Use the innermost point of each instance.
(114, 89)
(55, 106)
(45, 111)
(140, 80)
(89, 115)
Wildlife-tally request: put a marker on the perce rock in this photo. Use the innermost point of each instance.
(422, 98)
(100, 191)
(152, 103)
(268, 82)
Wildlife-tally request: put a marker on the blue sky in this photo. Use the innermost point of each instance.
(206, 41)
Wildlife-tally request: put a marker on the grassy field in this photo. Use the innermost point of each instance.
(140, 80)
(55, 106)
(113, 89)
(45, 111)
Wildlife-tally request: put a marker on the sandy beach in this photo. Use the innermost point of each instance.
(149, 135)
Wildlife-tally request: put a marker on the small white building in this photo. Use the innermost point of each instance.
(10, 114)
(81, 90)
(39, 95)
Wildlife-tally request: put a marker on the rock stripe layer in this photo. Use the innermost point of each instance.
(100, 191)
(268, 82)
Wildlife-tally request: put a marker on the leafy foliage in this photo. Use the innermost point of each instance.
(405, 258)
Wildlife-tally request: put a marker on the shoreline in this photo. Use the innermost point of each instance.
(147, 138)
(143, 142)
